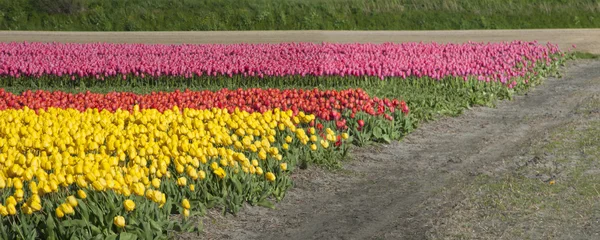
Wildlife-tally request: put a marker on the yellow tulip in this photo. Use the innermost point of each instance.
(11, 200)
(17, 184)
(156, 183)
(220, 172)
(324, 143)
(185, 203)
(119, 221)
(139, 189)
(3, 211)
(59, 212)
(157, 196)
(193, 174)
(345, 136)
(149, 194)
(182, 181)
(98, 186)
(129, 205)
(33, 187)
(125, 191)
(270, 176)
(283, 166)
(19, 193)
(67, 209)
(262, 154)
(26, 209)
(81, 182)
(72, 201)
(81, 194)
(214, 165)
(163, 198)
(35, 206)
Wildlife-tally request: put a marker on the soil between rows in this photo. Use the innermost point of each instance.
(585, 39)
(400, 190)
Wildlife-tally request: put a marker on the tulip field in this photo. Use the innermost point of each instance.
(131, 141)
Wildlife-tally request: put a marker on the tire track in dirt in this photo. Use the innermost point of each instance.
(587, 40)
(394, 191)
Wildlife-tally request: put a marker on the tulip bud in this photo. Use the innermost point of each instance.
(119, 221)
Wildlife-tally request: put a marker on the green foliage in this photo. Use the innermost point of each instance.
(58, 6)
(183, 15)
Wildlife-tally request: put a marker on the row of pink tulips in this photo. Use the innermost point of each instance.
(487, 61)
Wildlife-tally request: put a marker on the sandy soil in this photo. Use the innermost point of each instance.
(586, 39)
(402, 190)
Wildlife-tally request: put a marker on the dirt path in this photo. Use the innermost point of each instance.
(397, 191)
(586, 39)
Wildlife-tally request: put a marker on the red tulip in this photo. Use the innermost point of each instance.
(361, 123)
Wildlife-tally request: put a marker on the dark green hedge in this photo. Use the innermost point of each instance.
(183, 15)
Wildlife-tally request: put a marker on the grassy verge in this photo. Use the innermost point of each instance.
(585, 55)
(169, 15)
(553, 195)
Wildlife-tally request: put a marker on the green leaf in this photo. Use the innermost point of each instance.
(386, 138)
(99, 237)
(112, 237)
(127, 236)
(84, 209)
(132, 221)
(155, 226)
(189, 227)
(74, 223)
(50, 225)
(237, 184)
(266, 203)
(147, 230)
(95, 229)
(200, 226)
(377, 132)
(98, 214)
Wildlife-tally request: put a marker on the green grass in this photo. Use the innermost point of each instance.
(585, 55)
(183, 15)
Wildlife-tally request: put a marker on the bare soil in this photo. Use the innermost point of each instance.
(420, 187)
(585, 39)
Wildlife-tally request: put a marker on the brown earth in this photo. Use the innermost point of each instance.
(585, 39)
(413, 189)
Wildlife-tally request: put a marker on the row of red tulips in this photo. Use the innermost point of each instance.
(488, 61)
(324, 104)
